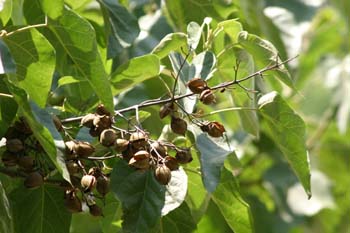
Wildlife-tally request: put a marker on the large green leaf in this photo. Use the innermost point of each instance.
(35, 59)
(194, 32)
(234, 209)
(141, 195)
(6, 221)
(287, 129)
(111, 214)
(40, 210)
(171, 42)
(232, 28)
(5, 12)
(53, 9)
(204, 64)
(8, 109)
(7, 64)
(77, 38)
(135, 71)
(265, 54)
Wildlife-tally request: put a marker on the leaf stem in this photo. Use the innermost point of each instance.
(5, 34)
(229, 109)
(6, 95)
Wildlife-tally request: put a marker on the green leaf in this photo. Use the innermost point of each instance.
(74, 4)
(53, 9)
(171, 42)
(179, 220)
(8, 109)
(135, 71)
(77, 38)
(265, 54)
(212, 157)
(287, 129)
(65, 80)
(7, 64)
(234, 209)
(204, 64)
(6, 223)
(232, 28)
(35, 60)
(194, 32)
(5, 12)
(141, 195)
(40, 210)
(111, 214)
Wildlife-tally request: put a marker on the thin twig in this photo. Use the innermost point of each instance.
(5, 34)
(178, 73)
(6, 95)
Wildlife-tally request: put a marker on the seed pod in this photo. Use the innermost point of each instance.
(70, 146)
(88, 182)
(14, 145)
(197, 85)
(23, 127)
(102, 122)
(103, 185)
(72, 167)
(27, 162)
(95, 210)
(95, 132)
(102, 110)
(165, 110)
(171, 163)
(9, 159)
(83, 149)
(108, 137)
(142, 154)
(214, 129)
(178, 125)
(163, 175)
(157, 148)
(95, 171)
(72, 202)
(88, 120)
(34, 179)
(207, 97)
(57, 122)
(184, 155)
(121, 144)
(138, 139)
(140, 160)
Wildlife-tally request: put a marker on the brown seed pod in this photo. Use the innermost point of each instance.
(72, 167)
(207, 97)
(158, 149)
(102, 122)
(184, 155)
(34, 179)
(83, 149)
(95, 171)
(23, 127)
(163, 174)
(88, 120)
(14, 145)
(142, 154)
(140, 160)
(26, 162)
(103, 185)
(72, 202)
(178, 125)
(121, 145)
(166, 109)
(9, 159)
(108, 137)
(88, 182)
(138, 139)
(102, 110)
(214, 129)
(197, 85)
(95, 210)
(171, 163)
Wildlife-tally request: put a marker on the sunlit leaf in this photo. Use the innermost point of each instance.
(232, 28)
(204, 64)
(53, 9)
(6, 221)
(5, 9)
(171, 42)
(194, 32)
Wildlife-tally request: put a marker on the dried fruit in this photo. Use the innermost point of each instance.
(121, 144)
(171, 163)
(14, 145)
(88, 182)
(138, 139)
(158, 149)
(214, 129)
(102, 110)
(95, 210)
(102, 122)
(9, 159)
(83, 149)
(140, 160)
(72, 167)
(108, 137)
(163, 174)
(178, 125)
(166, 109)
(184, 155)
(34, 179)
(72, 202)
(103, 185)
(26, 162)
(142, 154)
(88, 120)
(95, 132)
(23, 127)
(207, 97)
(197, 85)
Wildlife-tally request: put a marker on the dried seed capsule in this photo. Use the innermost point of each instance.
(178, 125)
(138, 139)
(140, 160)
(121, 144)
(158, 149)
(171, 163)
(163, 174)
(184, 155)
(95, 210)
(102, 122)
(83, 149)
(23, 127)
(214, 129)
(88, 120)
(108, 137)
(197, 85)
(72, 202)
(9, 159)
(142, 154)
(72, 167)
(26, 162)
(14, 145)
(95, 171)
(165, 110)
(88, 182)
(207, 97)
(95, 132)
(102, 110)
(34, 179)
(103, 185)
